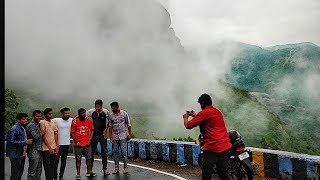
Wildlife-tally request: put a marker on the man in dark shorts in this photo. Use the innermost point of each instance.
(82, 131)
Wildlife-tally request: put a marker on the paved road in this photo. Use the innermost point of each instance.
(135, 173)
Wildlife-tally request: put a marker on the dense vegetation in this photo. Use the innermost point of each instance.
(10, 112)
(287, 78)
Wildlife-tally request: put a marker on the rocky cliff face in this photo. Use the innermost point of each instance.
(140, 21)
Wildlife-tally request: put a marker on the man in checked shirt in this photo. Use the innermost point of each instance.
(34, 150)
(120, 132)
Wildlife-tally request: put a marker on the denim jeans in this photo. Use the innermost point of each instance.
(49, 161)
(104, 149)
(120, 145)
(35, 164)
(17, 167)
(63, 153)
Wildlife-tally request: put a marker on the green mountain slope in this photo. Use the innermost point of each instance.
(288, 73)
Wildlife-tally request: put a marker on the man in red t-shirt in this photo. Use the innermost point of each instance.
(82, 131)
(216, 141)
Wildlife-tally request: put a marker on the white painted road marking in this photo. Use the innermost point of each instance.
(142, 167)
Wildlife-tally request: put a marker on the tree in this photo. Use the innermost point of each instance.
(10, 111)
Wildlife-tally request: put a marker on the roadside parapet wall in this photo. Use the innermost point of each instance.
(272, 163)
(285, 165)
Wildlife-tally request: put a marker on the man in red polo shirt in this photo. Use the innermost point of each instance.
(82, 131)
(216, 141)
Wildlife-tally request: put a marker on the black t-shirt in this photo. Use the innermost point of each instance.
(100, 120)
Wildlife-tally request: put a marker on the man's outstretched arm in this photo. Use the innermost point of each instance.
(197, 120)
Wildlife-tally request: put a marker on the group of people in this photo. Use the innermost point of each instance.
(46, 141)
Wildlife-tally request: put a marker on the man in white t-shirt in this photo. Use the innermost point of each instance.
(64, 126)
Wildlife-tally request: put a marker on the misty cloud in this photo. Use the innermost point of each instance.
(312, 84)
(99, 47)
(262, 23)
(130, 51)
(114, 50)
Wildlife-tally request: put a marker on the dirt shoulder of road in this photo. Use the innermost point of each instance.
(188, 172)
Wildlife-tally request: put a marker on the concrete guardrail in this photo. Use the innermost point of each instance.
(272, 163)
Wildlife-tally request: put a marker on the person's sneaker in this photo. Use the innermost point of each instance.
(106, 172)
(61, 178)
(78, 177)
(91, 174)
(125, 171)
(116, 171)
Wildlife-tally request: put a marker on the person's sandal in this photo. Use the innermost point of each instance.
(91, 174)
(115, 171)
(125, 171)
(78, 177)
(106, 172)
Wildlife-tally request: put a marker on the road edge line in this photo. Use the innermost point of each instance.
(142, 167)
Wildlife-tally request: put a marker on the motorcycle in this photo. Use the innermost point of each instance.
(239, 164)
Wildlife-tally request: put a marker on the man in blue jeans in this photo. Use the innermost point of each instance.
(34, 150)
(16, 148)
(120, 132)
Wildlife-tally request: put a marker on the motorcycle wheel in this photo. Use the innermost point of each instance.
(248, 172)
(243, 173)
(240, 171)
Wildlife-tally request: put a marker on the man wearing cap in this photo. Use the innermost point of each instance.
(100, 118)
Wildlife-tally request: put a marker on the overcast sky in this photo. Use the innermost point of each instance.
(258, 22)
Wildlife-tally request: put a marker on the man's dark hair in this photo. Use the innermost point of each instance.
(114, 104)
(205, 99)
(21, 115)
(36, 112)
(64, 109)
(47, 110)
(81, 110)
(98, 102)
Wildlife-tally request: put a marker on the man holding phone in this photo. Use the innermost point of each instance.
(216, 142)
